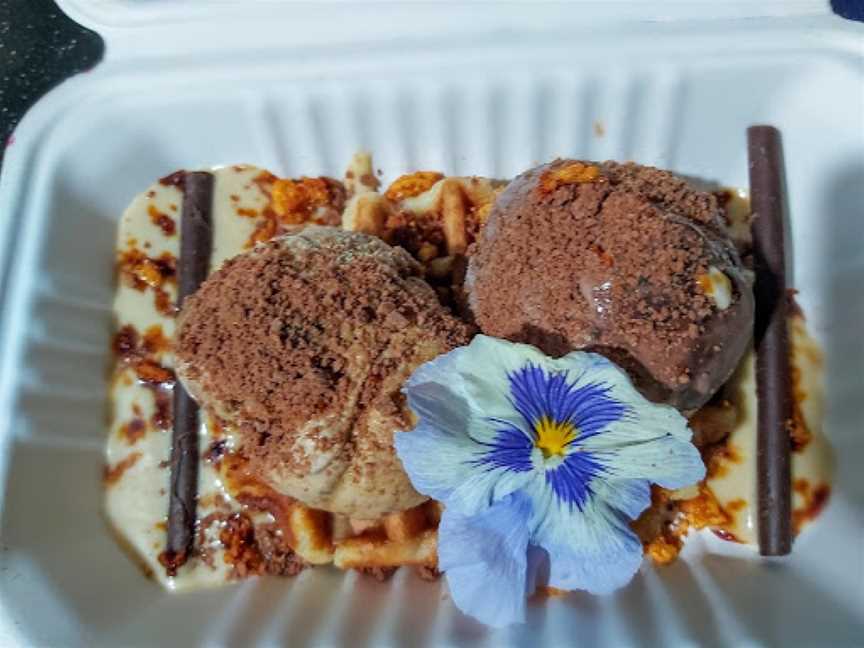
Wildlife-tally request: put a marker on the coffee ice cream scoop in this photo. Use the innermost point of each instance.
(626, 260)
(302, 346)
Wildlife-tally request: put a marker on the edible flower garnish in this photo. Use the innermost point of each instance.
(538, 461)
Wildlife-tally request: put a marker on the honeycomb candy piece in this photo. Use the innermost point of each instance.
(297, 201)
(573, 173)
(412, 184)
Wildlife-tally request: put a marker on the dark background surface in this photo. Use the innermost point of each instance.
(40, 46)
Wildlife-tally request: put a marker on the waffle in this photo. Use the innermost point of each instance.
(319, 538)
(434, 217)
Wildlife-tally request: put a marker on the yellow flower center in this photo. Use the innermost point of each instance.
(553, 436)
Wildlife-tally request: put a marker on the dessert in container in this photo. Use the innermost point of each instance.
(677, 94)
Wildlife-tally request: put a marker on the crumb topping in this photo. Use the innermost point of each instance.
(142, 272)
(570, 173)
(294, 202)
(412, 184)
(241, 551)
(163, 221)
(142, 354)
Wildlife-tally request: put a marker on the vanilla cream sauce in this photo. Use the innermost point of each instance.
(137, 500)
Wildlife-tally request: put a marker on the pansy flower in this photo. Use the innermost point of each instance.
(537, 459)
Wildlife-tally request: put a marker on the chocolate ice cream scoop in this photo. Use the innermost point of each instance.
(302, 346)
(626, 260)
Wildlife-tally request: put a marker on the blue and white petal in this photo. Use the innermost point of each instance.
(485, 560)
(487, 384)
(445, 467)
(564, 393)
(592, 549)
(665, 460)
(650, 441)
(440, 382)
(571, 570)
(628, 496)
(594, 527)
(450, 454)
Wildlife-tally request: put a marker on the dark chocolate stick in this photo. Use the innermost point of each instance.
(196, 243)
(773, 388)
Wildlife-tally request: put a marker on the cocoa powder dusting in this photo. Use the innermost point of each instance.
(274, 336)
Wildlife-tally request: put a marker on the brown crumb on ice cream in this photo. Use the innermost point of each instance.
(279, 558)
(571, 173)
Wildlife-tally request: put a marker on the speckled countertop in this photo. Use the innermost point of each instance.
(39, 47)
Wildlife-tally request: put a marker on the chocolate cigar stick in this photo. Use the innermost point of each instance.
(771, 341)
(196, 243)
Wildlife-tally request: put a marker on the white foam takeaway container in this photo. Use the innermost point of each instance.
(480, 89)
